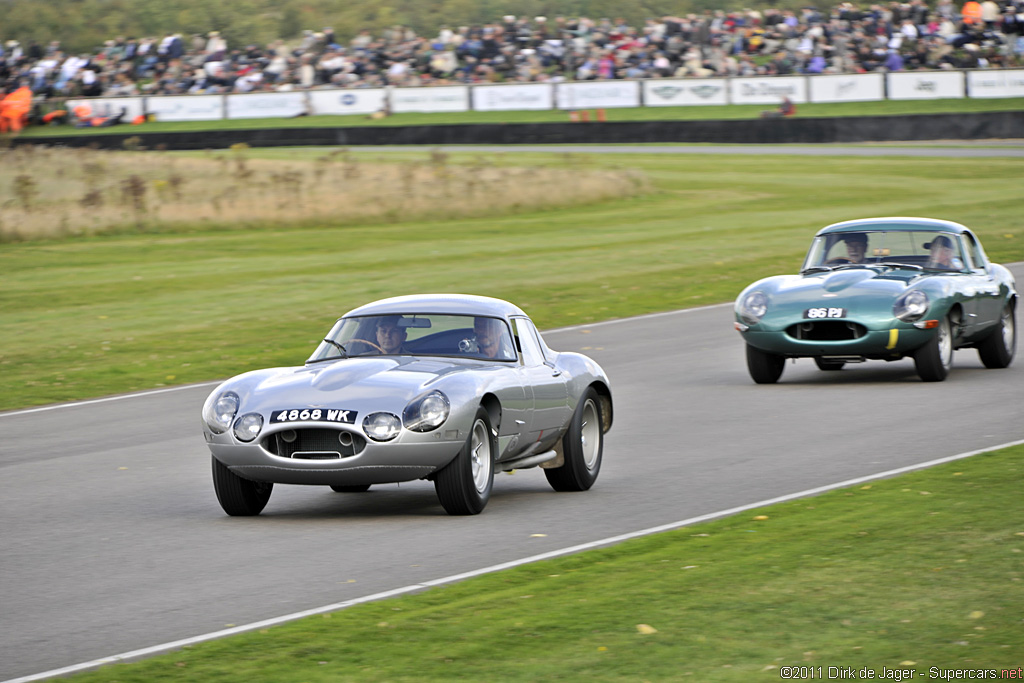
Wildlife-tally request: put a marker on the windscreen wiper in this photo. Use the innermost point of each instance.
(338, 346)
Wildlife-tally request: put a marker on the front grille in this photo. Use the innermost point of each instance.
(826, 330)
(314, 444)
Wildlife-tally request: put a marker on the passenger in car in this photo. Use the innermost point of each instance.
(492, 338)
(942, 254)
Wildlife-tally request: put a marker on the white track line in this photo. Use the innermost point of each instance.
(107, 399)
(177, 644)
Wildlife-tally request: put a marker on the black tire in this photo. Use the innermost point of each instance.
(357, 488)
(829, 365)
(998, 349)
(464, 485)
(934, 359)
(239, 497)
(582, 447)
(764, 367)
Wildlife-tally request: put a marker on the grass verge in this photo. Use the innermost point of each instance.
(693, 113)
(916, 574)
(93, 316)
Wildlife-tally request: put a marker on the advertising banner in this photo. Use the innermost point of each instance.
(598, 94)
(110, 106)
(280, 105)
(768, 90)
(430, 99)
(995, 83)
(847, 88)
(663, 92)
(186, 107)
(925, 85)
(531, 97)
(355, 101)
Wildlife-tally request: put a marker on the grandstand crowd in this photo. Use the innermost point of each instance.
(845, 39)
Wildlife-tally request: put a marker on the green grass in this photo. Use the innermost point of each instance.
(919, 571)
(696, 113)
(93, 316)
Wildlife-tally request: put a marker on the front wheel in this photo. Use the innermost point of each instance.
(239, 497)
(934, 359)
(582, 447)
(764, 367)
(997, 349)
(464, 485)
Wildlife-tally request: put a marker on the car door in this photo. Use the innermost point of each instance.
(986, 305)
(546, 383)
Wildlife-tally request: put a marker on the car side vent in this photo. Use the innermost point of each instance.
(314, 444)
(826, 330)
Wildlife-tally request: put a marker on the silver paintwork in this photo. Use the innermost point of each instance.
(530, 406)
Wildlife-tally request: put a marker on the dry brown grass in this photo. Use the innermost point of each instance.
(53, 193)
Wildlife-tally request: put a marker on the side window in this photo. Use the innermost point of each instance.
(974, 251)
(526, 342)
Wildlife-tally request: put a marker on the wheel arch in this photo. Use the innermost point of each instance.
(492, 405)
(604, 394)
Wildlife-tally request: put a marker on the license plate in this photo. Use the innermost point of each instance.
(824, 312)
(313, 415)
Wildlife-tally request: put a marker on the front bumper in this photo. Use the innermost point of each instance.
(889, 341)
(409, 457)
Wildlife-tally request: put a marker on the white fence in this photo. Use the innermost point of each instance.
(667, 92)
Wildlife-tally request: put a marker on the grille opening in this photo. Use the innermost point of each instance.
(314, 444)
(826, 330)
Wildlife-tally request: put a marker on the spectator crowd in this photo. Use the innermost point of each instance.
(845, 39)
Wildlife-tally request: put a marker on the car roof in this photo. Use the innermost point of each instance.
(441, 304)
(895, 223)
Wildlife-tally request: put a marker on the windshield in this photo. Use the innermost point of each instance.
(464, 336)
(918, 249)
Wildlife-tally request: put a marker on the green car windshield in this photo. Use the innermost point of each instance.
(917, 249)
(418, 334)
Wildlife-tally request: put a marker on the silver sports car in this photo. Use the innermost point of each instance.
(444, 387)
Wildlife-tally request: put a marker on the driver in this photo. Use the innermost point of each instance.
(856, 247)
(391, 335)
(491, 337)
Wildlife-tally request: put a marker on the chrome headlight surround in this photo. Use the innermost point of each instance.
(426, 413)
(219, 411)
(910, 306)
(248, 427)
(752, 307)
(381, 426)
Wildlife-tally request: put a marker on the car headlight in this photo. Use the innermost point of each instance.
(248, 427)
(426, 412)
(753, 306)
(910, 306)
(382, 426)
(219, 411)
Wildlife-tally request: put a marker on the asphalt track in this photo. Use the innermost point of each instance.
(978, 149)
(112, 538)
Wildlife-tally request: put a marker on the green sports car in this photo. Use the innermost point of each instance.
(882, 289)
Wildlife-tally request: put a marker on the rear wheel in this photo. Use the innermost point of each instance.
(582, 448)
(239, 497)
(997, 350)
(764, 367)
(358, 488)
(934, 359)
(829, 365)
(464, 485)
